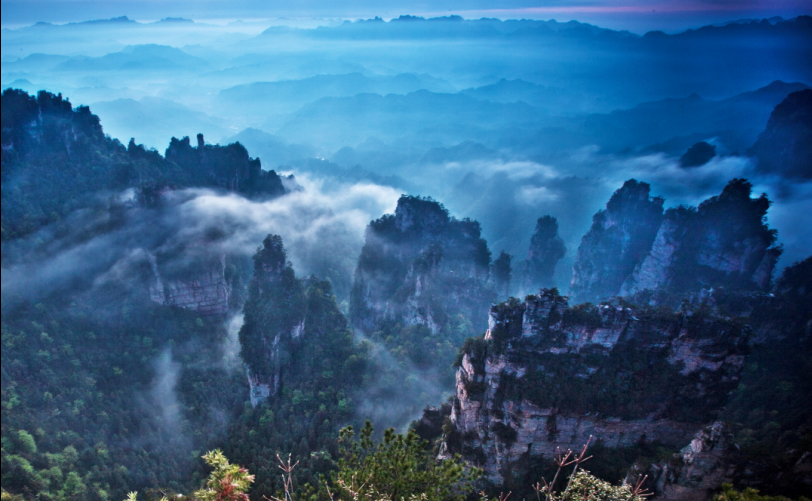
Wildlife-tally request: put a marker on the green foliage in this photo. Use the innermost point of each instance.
(398, 467)
(749, 494)
(26, 442)
(585, 487)
(81, 423)
(585, 314)
(770, 411)
(227, 482)
(320, 370)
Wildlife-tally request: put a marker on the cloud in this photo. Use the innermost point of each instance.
(322, 226)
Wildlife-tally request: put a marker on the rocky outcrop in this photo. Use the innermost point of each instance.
(420, 266)
(56, 159)
(228, 167)
(722, 243)
(274, 318)
(619, 238)
(698, 469)
(546, 249)
(294, 337)
(785, 146)
(547, 375)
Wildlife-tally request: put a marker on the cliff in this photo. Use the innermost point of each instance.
(619, 238)
(546, 249)
(722, 243)
(785, 146)
(209, 286)
(420, 266)
(547, 375)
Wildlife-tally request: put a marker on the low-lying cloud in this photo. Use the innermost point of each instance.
(322, 227)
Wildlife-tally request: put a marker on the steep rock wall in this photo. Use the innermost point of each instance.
(546, 376)
(619, 238)
(785, 146)
(420, 266)
(204, 290)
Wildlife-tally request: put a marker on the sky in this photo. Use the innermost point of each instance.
(638, 16)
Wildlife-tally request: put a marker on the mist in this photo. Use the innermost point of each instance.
(322, 225)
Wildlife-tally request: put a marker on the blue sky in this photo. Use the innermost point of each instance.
(635, 15)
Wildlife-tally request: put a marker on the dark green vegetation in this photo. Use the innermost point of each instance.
(398, 467)
(57, 159)
(631, 380)
(106, 392)
(749, 494)
(771, 410)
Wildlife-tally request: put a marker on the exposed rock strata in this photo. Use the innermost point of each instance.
(700, 467)
(547, 375)
(203, 290)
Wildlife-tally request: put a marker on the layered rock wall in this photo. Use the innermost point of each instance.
(203, 290)
(547, 375)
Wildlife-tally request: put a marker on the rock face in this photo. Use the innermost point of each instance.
(701, 467)
(206, 290)
(785, 146)
(619, 238)
(546, 249)
(722, 243)
(546, 375)
(420, 266)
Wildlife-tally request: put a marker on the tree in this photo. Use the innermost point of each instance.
(749, 494)
(26, 442)
(399, 467)
(228, 482)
